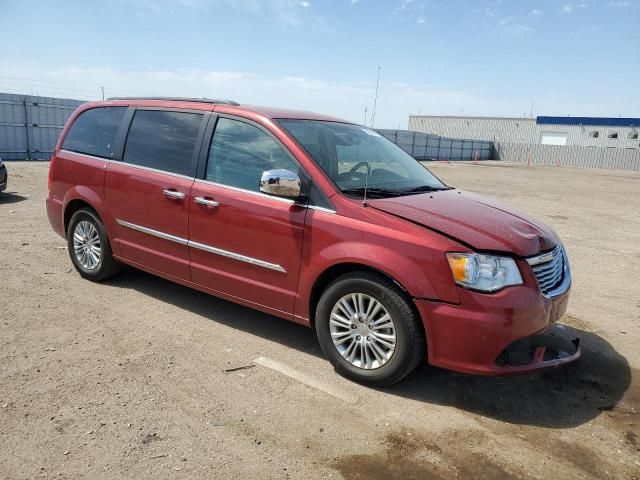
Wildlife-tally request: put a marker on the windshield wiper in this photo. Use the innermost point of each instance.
(425, 188)
(372, 191)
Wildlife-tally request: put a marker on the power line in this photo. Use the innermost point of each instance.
(85, 91)
(39, 80)
(48, 87)
(31, 85)
(42, 91)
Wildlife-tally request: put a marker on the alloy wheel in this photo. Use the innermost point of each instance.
(86, 245)
(362, 331)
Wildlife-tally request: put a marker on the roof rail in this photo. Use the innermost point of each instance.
(179, 99)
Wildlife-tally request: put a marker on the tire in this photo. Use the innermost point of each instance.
(92, 240)
(374, 363)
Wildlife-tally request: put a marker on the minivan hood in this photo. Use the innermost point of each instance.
(478, 221)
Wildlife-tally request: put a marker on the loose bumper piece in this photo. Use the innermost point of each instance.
(543, 350)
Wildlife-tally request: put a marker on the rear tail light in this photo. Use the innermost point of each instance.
(50, 181)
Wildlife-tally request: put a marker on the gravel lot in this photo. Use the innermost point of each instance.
(126, 379)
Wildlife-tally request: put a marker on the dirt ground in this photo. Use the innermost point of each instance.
(126, 379)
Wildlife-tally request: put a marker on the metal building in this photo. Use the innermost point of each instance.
(570, 131)
(30, 125)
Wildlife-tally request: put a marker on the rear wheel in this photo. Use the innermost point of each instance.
(369, 330)
(89, 246)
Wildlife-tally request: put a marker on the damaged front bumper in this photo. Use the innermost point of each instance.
(551, 348)
(510, 332)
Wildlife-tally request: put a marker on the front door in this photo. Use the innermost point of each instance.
(245, 244)
(149, 191)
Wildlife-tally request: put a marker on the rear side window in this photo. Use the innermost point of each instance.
(164, 140)
(240, 152)
(94, 131)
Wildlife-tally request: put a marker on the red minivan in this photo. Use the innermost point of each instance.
(316, 220)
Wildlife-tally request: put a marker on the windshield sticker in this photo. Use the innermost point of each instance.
(370, 132)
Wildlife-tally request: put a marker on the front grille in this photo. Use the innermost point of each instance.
(549, 269)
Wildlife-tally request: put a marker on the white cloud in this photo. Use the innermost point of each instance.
(508, 27)
(567, 8)
(619, 4)
(403, 7)
(342, 99)
(421, 20)
(288, 13)
(347, 100)
(535, 11)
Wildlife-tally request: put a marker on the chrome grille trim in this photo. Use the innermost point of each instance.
(552, 271)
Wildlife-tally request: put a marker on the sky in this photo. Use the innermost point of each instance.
(436, 57)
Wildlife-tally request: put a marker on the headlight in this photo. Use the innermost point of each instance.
(486, 273)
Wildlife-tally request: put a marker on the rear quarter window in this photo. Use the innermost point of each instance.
(94, 131)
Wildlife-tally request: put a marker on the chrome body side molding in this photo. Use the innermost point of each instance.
(155, 233)
(206, 248)
(237, 256)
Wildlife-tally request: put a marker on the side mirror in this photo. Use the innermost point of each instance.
(281, 183)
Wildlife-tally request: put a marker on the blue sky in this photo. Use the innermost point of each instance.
(470, 57)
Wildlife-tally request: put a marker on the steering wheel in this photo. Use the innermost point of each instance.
(359, 165)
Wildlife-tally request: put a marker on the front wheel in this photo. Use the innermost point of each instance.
(89, 247)
(369, 330)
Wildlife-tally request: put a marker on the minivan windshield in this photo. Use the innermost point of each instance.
(356, 157)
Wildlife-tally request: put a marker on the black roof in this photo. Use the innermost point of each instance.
(180, 99)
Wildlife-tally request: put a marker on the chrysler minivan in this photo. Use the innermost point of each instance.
(316, 220)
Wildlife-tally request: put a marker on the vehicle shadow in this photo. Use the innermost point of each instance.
(559, 398)
(7, 197)
(221, 311)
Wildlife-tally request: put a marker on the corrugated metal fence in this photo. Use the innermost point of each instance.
(569, 156)
(30, 125)
(423, 146)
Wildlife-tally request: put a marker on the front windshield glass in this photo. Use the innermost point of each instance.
(355, 157)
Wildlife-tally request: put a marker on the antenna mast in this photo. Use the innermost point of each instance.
(375, 100)
(366, 185)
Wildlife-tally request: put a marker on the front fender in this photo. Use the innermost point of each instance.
(393, 263)
(416, 262)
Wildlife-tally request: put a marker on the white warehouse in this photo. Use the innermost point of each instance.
(570, 131)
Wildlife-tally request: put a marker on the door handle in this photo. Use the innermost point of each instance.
(206, 202)
(173, 194)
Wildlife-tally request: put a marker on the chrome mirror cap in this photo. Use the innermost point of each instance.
(281, 183)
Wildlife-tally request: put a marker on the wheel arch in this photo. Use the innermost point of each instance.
(85, 197)
(334, 271)
(72, 207)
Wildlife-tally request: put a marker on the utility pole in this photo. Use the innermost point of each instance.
(375, 101)
(102, 88)
(365, 115)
